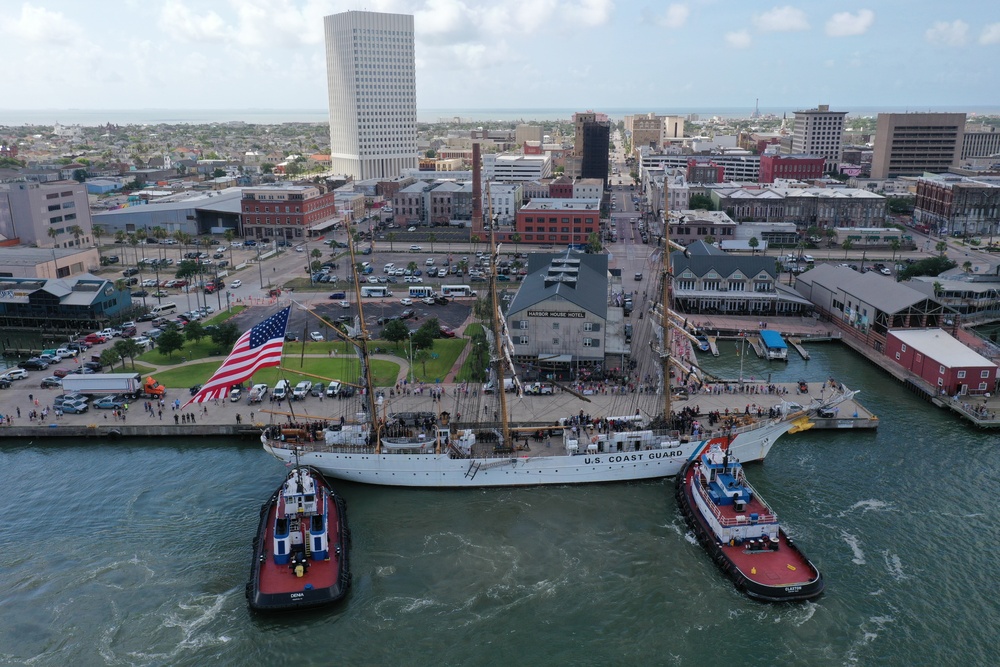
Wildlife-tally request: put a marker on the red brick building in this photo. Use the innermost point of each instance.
(284, 211)
(561, 188)
(792, 167)
(942, 361)
(558, 221)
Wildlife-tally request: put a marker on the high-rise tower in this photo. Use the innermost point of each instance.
(819, 132)
(371, 82)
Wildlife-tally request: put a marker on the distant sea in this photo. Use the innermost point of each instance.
(17, 117)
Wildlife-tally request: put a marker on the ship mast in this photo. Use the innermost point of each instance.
(360, 343)
(498, 333)
(665, 324)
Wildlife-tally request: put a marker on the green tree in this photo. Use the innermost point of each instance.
(431, 238)
(170, 341)
(847, 245)
(830, 235)
(967, 266)
(894, 244)
(218, 173)
(701, 202)
(475, 240)
(516, 238)
(395, 331)
(594, 243)
(110, 357)
(390, 237)
(127, 347)
(423, 338)
(316, 253)
(754, 244)
(267, 168)
(230, 236)
(194, 331)
(941, 247)
(98, 232)
(52, 234)
(411, 267)
(431, 153)
(421, 356)
(316, 265)
(709, 239)
(80, 175)
(225, 336)
(187, 269)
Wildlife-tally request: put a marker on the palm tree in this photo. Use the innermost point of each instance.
(159, 233)
(133, 241)
(516, 238)
(967, 266)
(847, 245)
(431, 238)
(52, 235)
(229, 235)
(390, 237)
(120, 236)
(98, 231)
(475, 240)
(894, 244)
(941, 247)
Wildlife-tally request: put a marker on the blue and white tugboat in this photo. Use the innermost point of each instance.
(741, 532)
(300, 554)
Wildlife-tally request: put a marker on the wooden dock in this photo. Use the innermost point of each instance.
(713, 346)
(797, 344)
(757, 345)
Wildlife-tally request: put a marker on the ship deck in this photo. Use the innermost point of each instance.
(785, 567)
(320, 574)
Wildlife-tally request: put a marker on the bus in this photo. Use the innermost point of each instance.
(375, 291)
(457, 290)
(420, 291)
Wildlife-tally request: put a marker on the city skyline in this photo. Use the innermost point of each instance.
(589, 54)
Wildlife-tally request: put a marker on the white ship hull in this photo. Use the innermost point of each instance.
(522, 469)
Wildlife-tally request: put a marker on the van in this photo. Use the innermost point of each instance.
(280, 390)
(164, 308)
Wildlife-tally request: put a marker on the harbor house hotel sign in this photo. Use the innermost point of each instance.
(557, 313)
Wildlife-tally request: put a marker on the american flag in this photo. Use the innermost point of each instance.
(258, 348)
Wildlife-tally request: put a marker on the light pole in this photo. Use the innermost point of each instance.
(260, 270)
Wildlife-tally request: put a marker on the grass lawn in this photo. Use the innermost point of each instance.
(443, 356)
(343, 368)
(221, 317)
(191, 351)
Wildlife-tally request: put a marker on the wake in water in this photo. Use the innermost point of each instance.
(871, 505)
(855, 544)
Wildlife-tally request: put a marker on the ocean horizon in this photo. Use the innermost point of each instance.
(96, 117)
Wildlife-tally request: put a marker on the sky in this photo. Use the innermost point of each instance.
(509, 54)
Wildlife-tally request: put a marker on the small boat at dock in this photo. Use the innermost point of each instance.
(741, 532)
(300, 554)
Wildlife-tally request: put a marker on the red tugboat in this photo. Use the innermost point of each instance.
(741, 532)
(300, 554)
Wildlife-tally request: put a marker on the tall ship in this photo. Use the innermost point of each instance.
(648, 440)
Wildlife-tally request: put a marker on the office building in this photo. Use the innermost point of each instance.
(371, 79)
(910, 144)
(291, 212)
(819, 132)
(47, 215)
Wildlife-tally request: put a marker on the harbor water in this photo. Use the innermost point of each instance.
(137, 553)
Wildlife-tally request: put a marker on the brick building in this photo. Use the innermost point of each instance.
(284, 211)
(792, 167)
(558, 221)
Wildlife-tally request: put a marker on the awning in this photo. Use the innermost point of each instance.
(324, 225)
(557, 359)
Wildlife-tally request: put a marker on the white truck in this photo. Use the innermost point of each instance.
(104, 384)
(258, 392)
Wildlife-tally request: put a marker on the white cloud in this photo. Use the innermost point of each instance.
(739, 39)
(39, 25)
(782, 19)
(942, 33)
(846, 24)
(991, 34)
(675, 17)
(181, 23)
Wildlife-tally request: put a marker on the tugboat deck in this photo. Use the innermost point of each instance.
(784, 567)
(320, 574)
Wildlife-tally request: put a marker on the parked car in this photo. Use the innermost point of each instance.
(332, 389)
(302, 390)
(317, 389)
(447, 332)
(34, 364)
(74, 407)
(315, 336)
(15, 374)
(235, 394)
(235, 284)
(109, 403)
(51, 381)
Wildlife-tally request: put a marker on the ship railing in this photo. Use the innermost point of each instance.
(766, 517)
